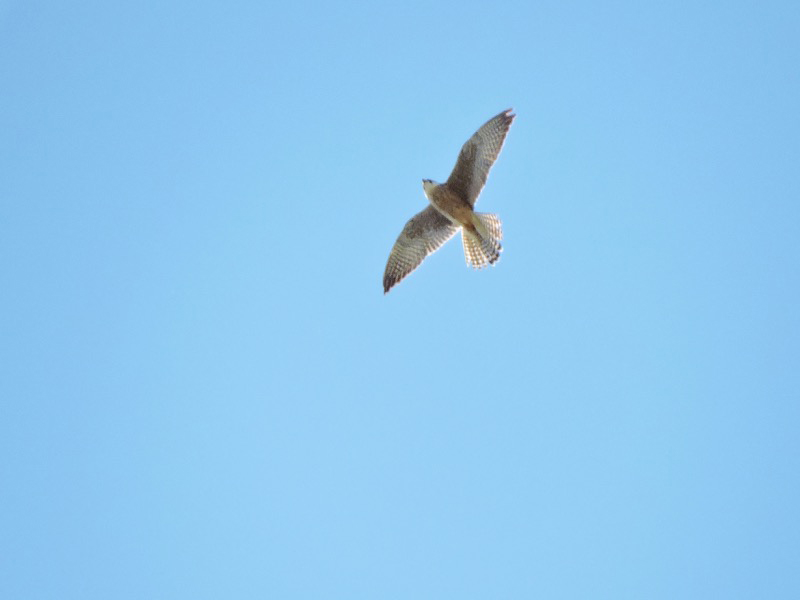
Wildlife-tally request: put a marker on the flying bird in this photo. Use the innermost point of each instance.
(451, 208)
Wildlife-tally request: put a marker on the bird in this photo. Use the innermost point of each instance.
(450, 208)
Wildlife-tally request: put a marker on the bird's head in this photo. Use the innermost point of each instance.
(428, 185)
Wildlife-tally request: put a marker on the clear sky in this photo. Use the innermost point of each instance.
(205, 393)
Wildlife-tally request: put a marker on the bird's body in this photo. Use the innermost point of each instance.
(451, 209)
(447, 202)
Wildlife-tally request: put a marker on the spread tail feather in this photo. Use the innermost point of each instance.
(482, 247)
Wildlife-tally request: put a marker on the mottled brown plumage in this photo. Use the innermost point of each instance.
(451, 208)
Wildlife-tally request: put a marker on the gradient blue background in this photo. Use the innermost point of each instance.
(205, 393)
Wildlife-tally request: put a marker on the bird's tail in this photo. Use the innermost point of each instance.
(482, 247)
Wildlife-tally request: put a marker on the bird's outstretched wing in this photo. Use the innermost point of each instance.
(425, 233)
(478, 155)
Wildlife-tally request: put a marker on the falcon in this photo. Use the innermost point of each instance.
(451, 208)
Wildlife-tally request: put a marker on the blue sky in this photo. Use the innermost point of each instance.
(205, 393)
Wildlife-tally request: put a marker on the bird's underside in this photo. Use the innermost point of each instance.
(451, 208)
